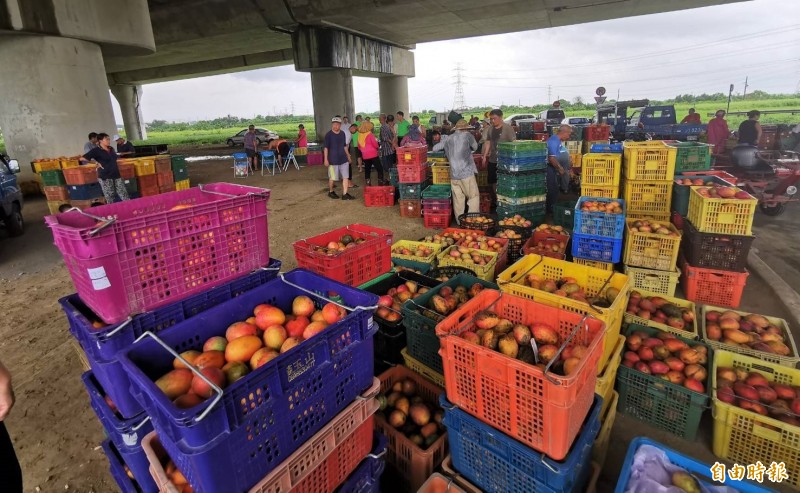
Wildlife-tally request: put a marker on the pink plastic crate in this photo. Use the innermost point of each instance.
(158, 250)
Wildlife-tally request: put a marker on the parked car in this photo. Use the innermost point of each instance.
(576, 120)
(512, 120)
(10, 197)
(262, 135)
(552, 116)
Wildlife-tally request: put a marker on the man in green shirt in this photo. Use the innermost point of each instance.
(402, 126)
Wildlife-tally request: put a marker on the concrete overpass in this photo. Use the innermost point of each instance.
(61, 58)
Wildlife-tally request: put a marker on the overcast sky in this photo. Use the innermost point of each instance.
(655, 56)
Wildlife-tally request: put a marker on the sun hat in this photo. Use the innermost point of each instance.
(462, 125)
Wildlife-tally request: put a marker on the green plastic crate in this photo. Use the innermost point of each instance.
(659, 403)
(131, 185)
(692, 156)
(52, 178)
(437, 192)
(375, 281)
(177, 161)
(421, 267)
(534, 212)
(393, 177)
(521, 184)
(180, 173)
(564, 213)
(422, 342)
(412, 191)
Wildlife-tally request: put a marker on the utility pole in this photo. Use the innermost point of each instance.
(292, 108)
(549, 92)
(730, 93)
(458, 100)
(744, 94)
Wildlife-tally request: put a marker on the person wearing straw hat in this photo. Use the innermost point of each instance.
(458, 148)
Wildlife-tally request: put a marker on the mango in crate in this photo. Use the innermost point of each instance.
(334, 248)
(750, 330)
(550, 229)
(669, 358)
(407, 411)
(660, 310)
(389, 304)
(612, 207)
(752, 391)
(568, 287)
(508, 234)
(421, 251)
(470, 256)
(515, 220)
(648, 226)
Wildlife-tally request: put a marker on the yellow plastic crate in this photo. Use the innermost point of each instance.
(413, 245)
(650, 161)
(144, 166)
(590, 278)
(607, 418)
(182, 184)
(723, 216)
(39, 166)
(694, 333)
(608, 266)
(437, 159)
(55, 205)
(604, 387)
(651, 250)
(575, 159)
(746, 437)
(485, 272)
(72, 162)
(601, 170)
(423, 370)
(573, 146)
(611, 192)
(660, 282)
(441, 174)
(644, 198)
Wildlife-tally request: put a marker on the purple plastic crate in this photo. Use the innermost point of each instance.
(598, 248)
(116, 464)
(134, 256)
(264, 417)
(103, 345)
(367, 476)
(599, 223)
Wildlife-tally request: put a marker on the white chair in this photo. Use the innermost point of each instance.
(290, 159)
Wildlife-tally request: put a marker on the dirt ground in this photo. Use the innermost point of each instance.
(56, 433)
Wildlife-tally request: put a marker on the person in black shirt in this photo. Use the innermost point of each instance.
(124, 147)
(107, 170)
(750, 129)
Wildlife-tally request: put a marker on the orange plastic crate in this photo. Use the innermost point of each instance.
(126, 168)
(410, 208)
(57, 193)
(164, 179)
(543, 411)
(711, 286)
(82, 175)
(163, 164)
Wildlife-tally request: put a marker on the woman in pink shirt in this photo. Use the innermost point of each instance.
(368, 145)
(718, 132)
(302, 139)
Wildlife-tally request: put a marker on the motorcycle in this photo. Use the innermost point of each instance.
(770, 176)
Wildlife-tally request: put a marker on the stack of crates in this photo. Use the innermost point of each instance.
(436, 206)
(599, 226)
(648, 168)
(180, 172)
(315, 156)
(483, 184)
(521, 181)
(83, 186)
(412, 176)
(651, 255)
(55, 189)
(600, 175)
(145, 171)
(127, 171)
(164, 176)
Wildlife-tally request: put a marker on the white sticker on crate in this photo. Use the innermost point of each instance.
(99, 279)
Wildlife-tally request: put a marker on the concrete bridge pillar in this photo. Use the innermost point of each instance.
(393, 93)
(129, 97)
(52, 100)
(332, 92)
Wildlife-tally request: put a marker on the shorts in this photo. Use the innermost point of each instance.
(250, 152)
(337, 172)
(492, 173)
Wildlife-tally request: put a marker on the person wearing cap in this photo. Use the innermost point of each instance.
(124, 147)
(692, 118)
(337, 158)
(718, 132)
(558, 165)
(458, 148)
(107, 169)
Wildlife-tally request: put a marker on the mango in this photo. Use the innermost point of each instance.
(175, 383)
(242, 349)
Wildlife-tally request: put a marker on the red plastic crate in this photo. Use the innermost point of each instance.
(126, 169)
(412, 155)
(532, 245)
(165, 178)
(542, 136)
(148, 182)
(354, 266)
(379, 196)
(411, 208)
(56, 193)
(412, 173)
(437, 219)
(478, 160)
(545, 412)
(597, 132)
(158, 250)
(712, 286)
(486, 203)
(82, 175)
(436, 205)
(163, 164)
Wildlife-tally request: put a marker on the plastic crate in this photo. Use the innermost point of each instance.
(437, 483)
(549, 241)
(607, 417)
(593, 280)
(412, 173)
(485, 203)
(607, 266)
(564, 214)
(661, 282)
(420, 322)
(597, 248)
(355, 265)
(689, 333)
(86, 204)
(82, 175)
(444, 274)
(413, 245)
(437, 192)
(791, 360)
(56, 193)
(144, 166)
(712, 286)
(167, 188)
(519, 202)
(495, 462)
(412, 191)
(746, 437)
(576, 159)
(482, 226)
(607, 148)
(713, 172)
(45, 165)
(660, 403)
(649, 161)
(522, 165)
(436, 205)
(366, 478)
(651, 250)
(680, 193)
(437, 220)
(410, 208)
(285, 399)
(148, 185)
(544, 412)
(70, 162)
(417, 367)
(127, 170)
(165, 179)
(163, 164)
(158, 250)
(692, 156)
(610, 192)
(399, 265)
(599, 223)
(84, 192)
(601, 170)
(534, 212)
(694, 467)
(177, 161)
(604, 387)
(521, 184)
(413, 464)
(441, 174)
(485, 272)
(186, 185)
(515, 245)
(131, 185)
(125, 434)
(52, 178)
(56, 206)
(379, 196)
(412, 155)
(647, 198)
(482, 178)
(597, 132)
(117, 468)
(573, 146)
(724, 216)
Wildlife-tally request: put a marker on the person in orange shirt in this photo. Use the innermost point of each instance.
(693, 117)
(718, 132)
(281, 148)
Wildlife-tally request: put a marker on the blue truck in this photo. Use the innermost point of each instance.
(638, 120)
(10, 197)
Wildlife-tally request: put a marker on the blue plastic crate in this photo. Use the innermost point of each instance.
(696, 468)
(126, 484)
(606, 148)
(102, 346)
(599, 223)
(597, 248)
(85, 192)
(496, 463)
(125, 434)
(264, 417)
(367, 476)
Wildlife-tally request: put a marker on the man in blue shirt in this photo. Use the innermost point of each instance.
(558, 162)
(337, 158)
